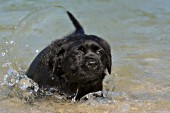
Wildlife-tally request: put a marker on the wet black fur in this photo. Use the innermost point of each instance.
(75, 64)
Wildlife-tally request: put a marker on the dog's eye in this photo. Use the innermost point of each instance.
(100, 52)
(81, 48)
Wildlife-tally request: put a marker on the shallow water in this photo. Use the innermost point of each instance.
(138, 32)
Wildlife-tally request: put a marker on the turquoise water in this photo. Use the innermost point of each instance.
(138, 32)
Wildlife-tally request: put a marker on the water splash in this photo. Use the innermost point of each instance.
(74, 98)
(19, 84)
(104, 97)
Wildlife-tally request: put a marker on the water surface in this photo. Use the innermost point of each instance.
(138, 32)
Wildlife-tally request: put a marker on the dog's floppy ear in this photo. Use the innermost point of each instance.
(77, 25)
(107, 48)
(109, 62)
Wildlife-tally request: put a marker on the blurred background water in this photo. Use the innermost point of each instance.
(137, 30)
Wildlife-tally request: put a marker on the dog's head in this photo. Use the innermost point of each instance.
(79, 57)
(83, 58)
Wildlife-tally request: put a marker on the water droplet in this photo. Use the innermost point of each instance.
(27, 45)
(12, 42)
(3, 54)
(37, 51)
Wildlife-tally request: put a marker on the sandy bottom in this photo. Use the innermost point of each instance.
(15, 105)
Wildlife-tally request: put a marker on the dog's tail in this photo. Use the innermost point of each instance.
(78, 27)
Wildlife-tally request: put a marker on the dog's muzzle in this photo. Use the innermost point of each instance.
(91, 63)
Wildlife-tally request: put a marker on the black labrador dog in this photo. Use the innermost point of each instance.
(75, 64)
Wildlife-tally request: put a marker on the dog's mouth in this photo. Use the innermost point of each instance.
(91, 64)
